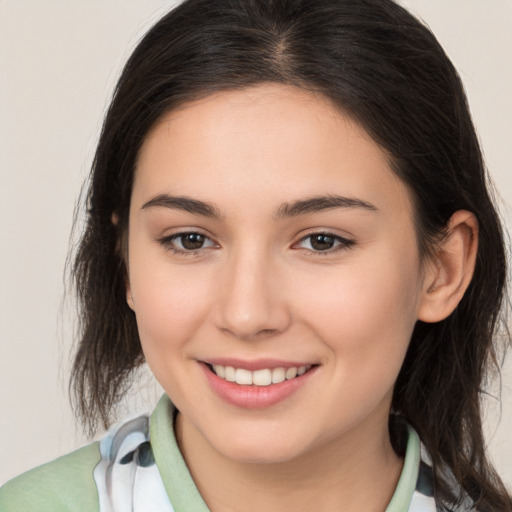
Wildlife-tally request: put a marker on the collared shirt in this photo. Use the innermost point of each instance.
(138, 467)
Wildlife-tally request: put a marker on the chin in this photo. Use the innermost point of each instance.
(260, 447)
(258, 454)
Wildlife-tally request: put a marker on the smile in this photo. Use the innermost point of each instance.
(263, 377)
(256, 384)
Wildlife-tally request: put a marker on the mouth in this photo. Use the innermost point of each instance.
(257, 384)
(262, 377)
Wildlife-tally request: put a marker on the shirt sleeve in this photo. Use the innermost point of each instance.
(63, 485)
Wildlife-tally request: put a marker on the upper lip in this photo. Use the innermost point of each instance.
(256, 364)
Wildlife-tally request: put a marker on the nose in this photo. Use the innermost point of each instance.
(252, 302)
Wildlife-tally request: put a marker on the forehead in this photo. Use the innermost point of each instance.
(270, 141)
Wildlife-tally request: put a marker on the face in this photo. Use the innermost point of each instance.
(271, 244)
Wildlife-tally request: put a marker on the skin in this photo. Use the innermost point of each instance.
(258, 289)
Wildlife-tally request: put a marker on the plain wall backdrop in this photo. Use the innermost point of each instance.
(58, 65)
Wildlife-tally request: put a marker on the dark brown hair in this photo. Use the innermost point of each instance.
(386, 70)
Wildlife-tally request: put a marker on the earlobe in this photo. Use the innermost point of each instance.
(121, 250)
(449, 274)
(129, 297)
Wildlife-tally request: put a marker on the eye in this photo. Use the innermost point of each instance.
(187, 243)
(325, 243)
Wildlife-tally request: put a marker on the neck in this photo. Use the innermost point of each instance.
(358, 471)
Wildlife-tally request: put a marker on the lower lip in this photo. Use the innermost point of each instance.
(255, 397)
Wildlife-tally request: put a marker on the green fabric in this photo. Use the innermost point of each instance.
(67, 484)
(180, 487)
(183, 492)
(64, 485)
(402, 497)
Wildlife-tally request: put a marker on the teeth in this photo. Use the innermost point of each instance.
(229, 374)
(219, 370)
(243, 377)
(278, 375)
(291, 373)
(263, 377)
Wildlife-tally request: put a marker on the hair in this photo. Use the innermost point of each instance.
(387, 71)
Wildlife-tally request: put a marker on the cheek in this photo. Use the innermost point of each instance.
(365, 320)
(170, 303)
(366, 312)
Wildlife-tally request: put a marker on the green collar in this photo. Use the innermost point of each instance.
(402, 496)
(178, 483)
(182, 490)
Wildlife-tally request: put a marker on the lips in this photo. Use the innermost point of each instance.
(256, 385)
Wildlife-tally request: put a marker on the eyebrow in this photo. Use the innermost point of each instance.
(319, 203)
(184, 203)
(285, 210)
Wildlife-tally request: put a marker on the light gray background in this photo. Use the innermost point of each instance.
(58, 64)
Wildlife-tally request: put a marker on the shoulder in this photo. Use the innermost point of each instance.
(63, 485)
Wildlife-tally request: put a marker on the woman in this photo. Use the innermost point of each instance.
(289, 222)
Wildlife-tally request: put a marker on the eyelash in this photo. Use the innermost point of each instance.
(169, 240)
(343, 243)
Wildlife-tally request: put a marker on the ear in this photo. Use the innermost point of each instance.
(449, 273)
(129, 297)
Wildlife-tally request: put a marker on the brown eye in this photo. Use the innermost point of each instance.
(322, 242)
(188, 243)
(325, 243)
(192, 241)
